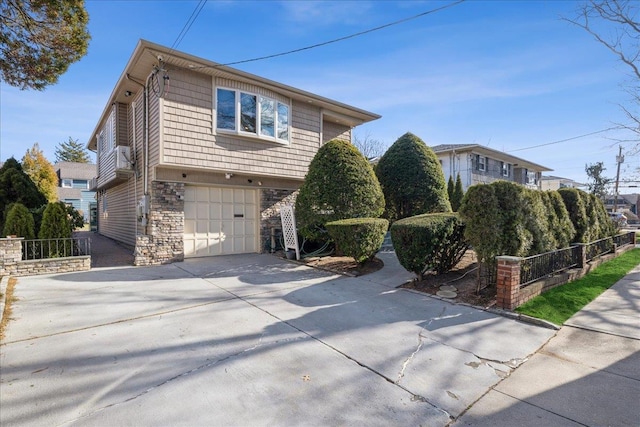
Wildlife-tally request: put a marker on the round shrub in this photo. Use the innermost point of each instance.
(359, 238)
(412, 179)
(19, 222)
(340, 184)
(429, 242)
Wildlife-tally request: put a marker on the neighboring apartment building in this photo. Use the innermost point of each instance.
(626, 204)
(74, 185)
(478, 164)
(550, 182)
(195, 158)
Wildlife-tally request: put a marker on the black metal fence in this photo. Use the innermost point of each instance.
(55, 248)
(623, 239)
(598, 247)
(542, 265)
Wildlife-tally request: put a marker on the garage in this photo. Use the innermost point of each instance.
(220, 221)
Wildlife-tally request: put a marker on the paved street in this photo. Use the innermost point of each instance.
(247, 340)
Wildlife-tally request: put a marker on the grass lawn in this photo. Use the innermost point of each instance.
(559, 304)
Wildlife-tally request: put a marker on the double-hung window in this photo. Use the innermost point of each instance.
(481, 162)
(506, 169)
(67, 183)
(249, 114)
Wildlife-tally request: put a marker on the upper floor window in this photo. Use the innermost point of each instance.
(67, 183)
(481, 162)
(506, 169)
(106, 137)
(532, 177)
(249, 114)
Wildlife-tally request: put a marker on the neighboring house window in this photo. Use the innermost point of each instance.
(67, 183)
(531, 177)
(506, 169)
(249, 114)
(481, 161)
(81, 184)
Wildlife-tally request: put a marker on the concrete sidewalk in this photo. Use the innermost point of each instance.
(587, 375)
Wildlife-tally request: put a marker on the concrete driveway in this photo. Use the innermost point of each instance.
(247, 340)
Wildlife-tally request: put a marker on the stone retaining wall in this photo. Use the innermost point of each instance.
(11, 262)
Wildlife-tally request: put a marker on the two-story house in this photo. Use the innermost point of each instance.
(478, 164)
(74, 185)
(195, 158)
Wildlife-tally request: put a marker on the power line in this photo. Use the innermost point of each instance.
(568, 139)
(275, 55)
(189, 23)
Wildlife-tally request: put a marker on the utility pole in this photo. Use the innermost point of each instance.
(619, 160)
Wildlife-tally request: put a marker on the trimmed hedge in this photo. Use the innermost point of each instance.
(359, 238)
(429, 242)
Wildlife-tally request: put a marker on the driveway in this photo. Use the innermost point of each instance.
(247, 340)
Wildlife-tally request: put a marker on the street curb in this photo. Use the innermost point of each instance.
(4, 282)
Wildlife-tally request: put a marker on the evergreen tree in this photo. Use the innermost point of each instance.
(40, 39)
(41, 172)
(16, 186)
(458, 195)
(19, 222)
(340, 184)
(450, 188)
(72, 151)
(412, 180)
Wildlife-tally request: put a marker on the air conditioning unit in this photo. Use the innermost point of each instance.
(123, 157)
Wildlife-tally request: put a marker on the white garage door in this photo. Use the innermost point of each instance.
(220, 221)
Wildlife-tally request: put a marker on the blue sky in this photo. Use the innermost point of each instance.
(509, 75)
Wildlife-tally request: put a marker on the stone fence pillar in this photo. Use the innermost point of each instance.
(508, 282)
(10, 254)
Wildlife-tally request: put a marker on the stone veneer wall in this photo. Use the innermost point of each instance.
(11, 261)
(271, 200)
(164, 241)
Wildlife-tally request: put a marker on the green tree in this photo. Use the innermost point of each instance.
(55, 226)
(39, 39)
(412, 179)
(450, 189)
(19, 222)
(72, 151)
(41, 172)
(457, 196)
(340, 184)
(598, 184)
(16, 186)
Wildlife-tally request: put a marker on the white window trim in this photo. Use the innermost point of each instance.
(238, 113)
(69, 182)
(482, 163)
(506, 169)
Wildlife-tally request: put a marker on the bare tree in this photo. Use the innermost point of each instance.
(616, 25)
(369, 147)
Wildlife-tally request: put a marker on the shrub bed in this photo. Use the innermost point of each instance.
(429, 242)
(359, 238)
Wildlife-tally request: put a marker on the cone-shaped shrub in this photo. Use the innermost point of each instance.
(55, 225)
(412, 179)
(19, 222)
(340, 184)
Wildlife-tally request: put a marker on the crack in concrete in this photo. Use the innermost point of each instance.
(187, 373)
(408, 360)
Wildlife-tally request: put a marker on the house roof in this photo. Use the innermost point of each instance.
(145, 57)
(75, 170)
(486, 151)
